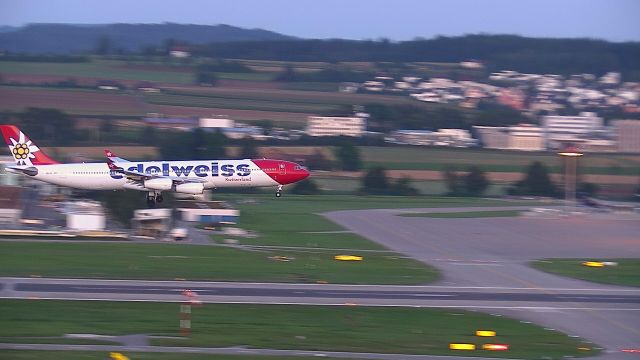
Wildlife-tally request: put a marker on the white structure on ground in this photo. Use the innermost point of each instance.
(220, 121)
(336, 126)
(628, 135)
(526, 137)
(85, 216)
(560, 130)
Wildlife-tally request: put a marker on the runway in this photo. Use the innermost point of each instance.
(495, 252)
(484, 263)
(379, 295)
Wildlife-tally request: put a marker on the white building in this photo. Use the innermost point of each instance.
(336, 126)
(628, 135)
(560, 130)
(526, 137)
(220, 121)
(85, 216)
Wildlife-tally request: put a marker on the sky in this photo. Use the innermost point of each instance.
(614, 20)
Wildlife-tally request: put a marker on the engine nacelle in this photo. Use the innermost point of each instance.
(190, 188)
(159, 184)
(134, 186)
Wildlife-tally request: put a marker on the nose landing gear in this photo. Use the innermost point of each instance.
(279, 191)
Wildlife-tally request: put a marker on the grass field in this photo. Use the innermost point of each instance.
(465, 214)
(102, 69)
(339, 328)
(423, 158)
(236, 103)
(191, 262)
(100, 355)
(290, 226)
(626, 273)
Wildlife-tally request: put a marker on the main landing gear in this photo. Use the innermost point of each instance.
(279, 191)
(154, 198)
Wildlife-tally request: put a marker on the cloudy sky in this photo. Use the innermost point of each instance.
(615, 20)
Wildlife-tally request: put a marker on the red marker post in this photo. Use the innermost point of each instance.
(191, 298)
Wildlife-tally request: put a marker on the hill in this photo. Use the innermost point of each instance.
(67, 38)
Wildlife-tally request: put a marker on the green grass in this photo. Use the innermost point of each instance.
(626, 273)
(290, 221)
(257, 76)
(236, 103)
(192, 262)
(102, 355)
(428, 158)
(311, 86)
(465, 214)
(319, 328)
(103, 69)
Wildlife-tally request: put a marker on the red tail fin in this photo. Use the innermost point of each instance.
(23, 150)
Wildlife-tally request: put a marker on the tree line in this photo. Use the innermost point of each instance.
(498, 52)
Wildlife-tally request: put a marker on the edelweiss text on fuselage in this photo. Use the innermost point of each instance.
(199, 170)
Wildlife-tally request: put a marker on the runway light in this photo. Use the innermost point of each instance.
(459, 346)
(593, 263)
(486, 333)
(584, 349)
(495, 347)
(348, 258)
(117, 356)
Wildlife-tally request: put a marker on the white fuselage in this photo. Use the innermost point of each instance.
(211, 173)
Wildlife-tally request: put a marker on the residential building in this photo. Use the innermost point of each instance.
(336, 126)
(627, 133)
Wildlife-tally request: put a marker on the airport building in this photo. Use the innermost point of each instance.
(627, 133)
(493, 137)
(10, 204)
(560, 130)
(336, 126)
(526, 137)
(442, 137)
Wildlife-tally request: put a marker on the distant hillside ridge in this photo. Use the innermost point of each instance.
(72, 38)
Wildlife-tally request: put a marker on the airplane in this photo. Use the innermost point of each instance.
(153, 177)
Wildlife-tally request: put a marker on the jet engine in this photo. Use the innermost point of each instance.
(158, 184)
(190, 188)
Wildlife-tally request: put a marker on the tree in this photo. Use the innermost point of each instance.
(402, 187)
(475, 182)
(205, 78)
(536, 182)
(287, 74)
(348, 157)
(375, 181)
(51, 125)
(305, 187)
(317, 161)
(453, 182)
(103, 45)
(249, 149)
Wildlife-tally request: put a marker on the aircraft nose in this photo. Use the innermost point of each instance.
(304, 173)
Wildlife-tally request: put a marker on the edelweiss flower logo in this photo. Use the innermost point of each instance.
(23, 150)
